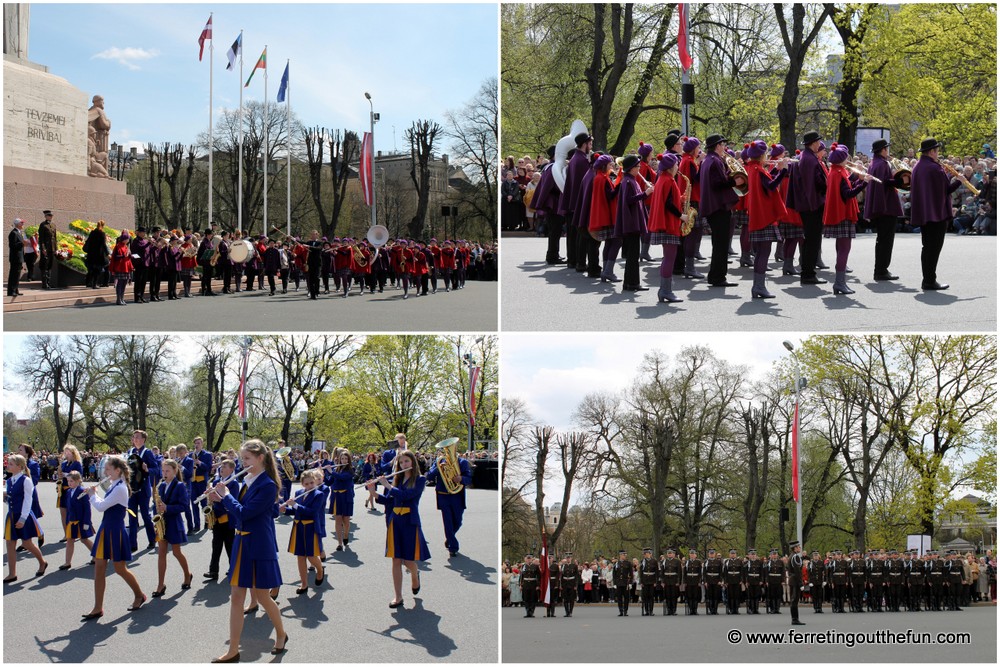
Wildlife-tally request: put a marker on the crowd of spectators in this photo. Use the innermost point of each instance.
(518, 180)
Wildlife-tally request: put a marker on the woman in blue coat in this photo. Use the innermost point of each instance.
(174, 500)
(369, 471)
(112, 540)
(20, 523)
(342, 497)
(306, 541)
(254, 563)
(70, 463)
(79, 525)
(404, 540)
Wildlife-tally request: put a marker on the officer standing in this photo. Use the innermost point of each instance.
(858, 573)
(894, 580)
(774, 571)
(732, 573)
(670, 574)
(713, 582)
(531, 578)
(876, 582)
(693, 572)
(838, 577)
(817, 572)
(550, 609)
(955, 581)
(621, 576)
(46, 248)
(936, 576)
(569, 575)
(753, 574)
(915, 581)
(795, 579)
(648, 572)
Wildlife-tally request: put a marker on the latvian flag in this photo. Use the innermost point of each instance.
(682, 38)
(472, 395)
(546, 596)
(205, 34)
(366, 169)
(241, 405)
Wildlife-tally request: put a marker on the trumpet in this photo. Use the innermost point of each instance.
(856, 169)
(955, 174)
(775, 163)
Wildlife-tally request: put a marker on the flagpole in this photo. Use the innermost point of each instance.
(288, 139)
(266, 139)
(211, 142)
(686, 84)
(239, 195)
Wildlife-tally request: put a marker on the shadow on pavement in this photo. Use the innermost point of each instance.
(471, 570)
(422, 626)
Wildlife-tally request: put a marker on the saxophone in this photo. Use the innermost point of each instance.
(159, 525)
(689, 211)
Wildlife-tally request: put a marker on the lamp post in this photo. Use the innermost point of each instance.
(371, 133)
(795, 437)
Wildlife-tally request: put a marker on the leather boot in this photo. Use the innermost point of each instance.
(608, 275)
(759, 290)
(788, 267)
(690, 271)
(666, 293)
(840, 286)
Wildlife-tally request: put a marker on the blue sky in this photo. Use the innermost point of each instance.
(417, 61)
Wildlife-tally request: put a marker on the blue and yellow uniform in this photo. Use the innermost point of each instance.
(308, 513)
(36, 474)
(286, 483)
(369, 471)
(174, 495)
(199, 482)
(222, 531)
(112, 540)
(254, 563)
(388, 456)
(19, 509)
(452, 505)
(78, 522)
(139, 501)
(404, 538)
(193, 519)
(67, 467)
(341, 493)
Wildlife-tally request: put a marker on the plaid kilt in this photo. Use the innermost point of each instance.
(187, 272)
(741, 217)
(122, 276)
(845, 229)
(768, 234)
(790, 231)
(663, 238)
(605, 233)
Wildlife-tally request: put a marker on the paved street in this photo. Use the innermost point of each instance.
(472, 309)
(541, 297)
(597, 635)
(453, 619)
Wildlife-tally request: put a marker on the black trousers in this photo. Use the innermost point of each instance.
(139, 278)
(583, 239)
(812, 228)
(932, 236)
(670, 593)
(630, 251)
(227, 276)
(857, 596)
(154, 281)
(753, 599)
(14, 278)
(774, 598)
(29, 264)
(621, 594)
(839, 593)
(571, 230)
(569, 599)
(222, 536)
(553, 224)
(817, 596)
(693, 597)
(713, 592)
(885, 229)
(206, 278)
(794, 591)
(719, 222)
(530, 596)
(171, 284)
(875, 596)
(732, 598)
(44, 266)
(647, 599)
(312, 281)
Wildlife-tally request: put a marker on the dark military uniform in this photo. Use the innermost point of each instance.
(550, 609)
(955, 585)
(817, 577)
(857, 571)
(838, 577)
(915, 575)
(713, 583)
(693, 570)
(876, 583)
(794, 582)
(531, 580)
(621, 576)
(732, 574)
(774, 573)
(753, 574)
(649, 570)
(46, 249)
(936, 576)
(670, 575)
(569, 576)
(894, 580)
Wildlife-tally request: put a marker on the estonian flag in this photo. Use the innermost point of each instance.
(284, 85)
(235, 51)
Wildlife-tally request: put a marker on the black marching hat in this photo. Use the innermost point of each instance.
(46, 212)
(714, 140)
(630, 161)
(879, 144)
(810, 137)
(929, 144)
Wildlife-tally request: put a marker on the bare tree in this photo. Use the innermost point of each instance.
(169, 173)
(797, 42)
(474, 130)
(421, 137)
(343, 151)
(515, 423)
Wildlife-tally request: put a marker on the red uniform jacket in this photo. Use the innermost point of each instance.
(690, 169)
(766, 207)
(837, 210)
(660, 219)
(602, 209)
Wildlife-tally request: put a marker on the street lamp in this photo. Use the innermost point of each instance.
(372, 117)
(796, 468)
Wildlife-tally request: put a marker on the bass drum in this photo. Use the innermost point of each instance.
(241, 251)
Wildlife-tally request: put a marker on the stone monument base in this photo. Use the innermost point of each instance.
(28, 192)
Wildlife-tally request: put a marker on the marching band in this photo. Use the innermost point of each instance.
(777, 198)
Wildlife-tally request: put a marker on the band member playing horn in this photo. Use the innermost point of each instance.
(586, 246)
(305, 541)
(404, 542)
(689, 167)
(138, 500)
(766, 209)
(172, 502)
(807, 195)
(882, 208)
(630, 221)
(111, 542)
(579, 163)
(20, 523)
(78, 522)
(930, 209)
(451, 476)
(286, 472)
(840, 214)
(254, 564)
(603, 209)
(202, 468)
(717, 201)
(665, 218)
(222, 527)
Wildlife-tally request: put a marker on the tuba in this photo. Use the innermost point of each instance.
(285, 462)
(447, 464)
(359, 257)
(378, 235)
(563, 147)
(901, 174)
(739, 175)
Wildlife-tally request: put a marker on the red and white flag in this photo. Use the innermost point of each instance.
(795, 454)
(205, 34)
(682, 38)
(472, 395)
(546, 596)
(366, 169)
(241, 404)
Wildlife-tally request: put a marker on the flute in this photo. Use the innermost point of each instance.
(855, 169)
(238, 476)
(375, 480)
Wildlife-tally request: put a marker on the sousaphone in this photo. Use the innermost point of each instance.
(563, 147)
(447, 463)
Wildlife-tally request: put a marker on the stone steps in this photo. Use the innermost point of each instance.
(40, 299)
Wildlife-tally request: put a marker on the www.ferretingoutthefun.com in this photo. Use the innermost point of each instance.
(849, 639)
